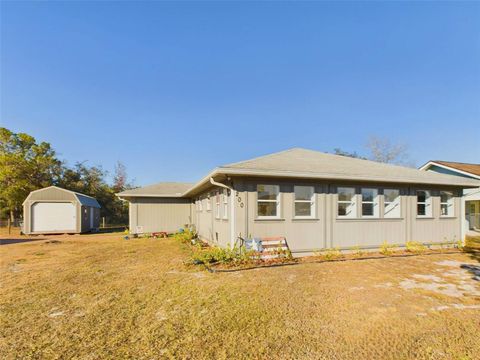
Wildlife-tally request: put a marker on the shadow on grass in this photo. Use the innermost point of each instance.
(473, 269)
(18, 240)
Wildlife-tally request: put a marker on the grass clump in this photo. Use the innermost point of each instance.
(332, 254)
(386, 248)
(357, 251)
(415, 247)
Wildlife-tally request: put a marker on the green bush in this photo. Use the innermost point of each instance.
(215, 254)
(186, 236)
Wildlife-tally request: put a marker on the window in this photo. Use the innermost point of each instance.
(446, 203)
(217, 205)
(268, 201)
(424, 201)
(392, 203)
(304, 201)
(209, 204)
(369, 202)
(346, 202)
(200, 204)
(225, 203)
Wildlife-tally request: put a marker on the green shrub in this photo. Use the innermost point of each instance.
(415, 247)
(215, 254)
(186, 236)
(386, 248)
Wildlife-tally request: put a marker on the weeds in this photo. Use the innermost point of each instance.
(188, 236)
(283, 254)
(215, 254)
(415, 247)
(386, 248)
(357, 251)
(331, 254)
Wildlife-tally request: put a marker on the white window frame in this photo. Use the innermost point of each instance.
(392, 209)
(352, 202)
(311, 202)
(217, 205)
(277, 201)
(375, 203)
(450, 204)
(225, 203)
(427, 203)
(209, 203)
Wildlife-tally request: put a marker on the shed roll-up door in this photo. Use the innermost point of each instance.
(53, 216)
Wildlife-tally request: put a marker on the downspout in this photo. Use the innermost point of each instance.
(232, 210)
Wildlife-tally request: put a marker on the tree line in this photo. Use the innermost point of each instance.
(27, 165)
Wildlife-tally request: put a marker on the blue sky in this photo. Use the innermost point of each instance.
(175, 89)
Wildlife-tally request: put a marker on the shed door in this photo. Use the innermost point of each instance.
(53, 216)
(92, 217)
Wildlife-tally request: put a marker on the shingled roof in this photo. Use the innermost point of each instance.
(309, 164)
(163, 189)
(473, 169)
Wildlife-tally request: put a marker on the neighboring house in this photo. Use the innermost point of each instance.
(316, 200)
(54, 210)
(471, 197)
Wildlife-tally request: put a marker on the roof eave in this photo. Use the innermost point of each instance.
(293, 174)
(176, 195)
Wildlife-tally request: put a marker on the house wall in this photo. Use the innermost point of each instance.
(469, 195)
(209, 227)
(327, 230)
(50, 195)
(159, 214)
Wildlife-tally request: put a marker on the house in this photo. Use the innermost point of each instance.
(471, 197)
(53, 210)
(316, 200)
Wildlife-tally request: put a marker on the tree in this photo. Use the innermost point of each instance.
(384, 151)
(90, 180)
(25, 165)
(338, 151)
(120, 177)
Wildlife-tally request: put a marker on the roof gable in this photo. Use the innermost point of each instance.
(473, 169)
(81, 198)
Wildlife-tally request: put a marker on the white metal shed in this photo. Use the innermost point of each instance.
(54, 210)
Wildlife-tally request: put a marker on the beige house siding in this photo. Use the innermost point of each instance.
(209, 228)
(326, 230)
(159, 214)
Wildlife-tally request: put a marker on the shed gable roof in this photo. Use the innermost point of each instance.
(82, 198)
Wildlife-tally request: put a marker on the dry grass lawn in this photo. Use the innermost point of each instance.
(102, 297)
